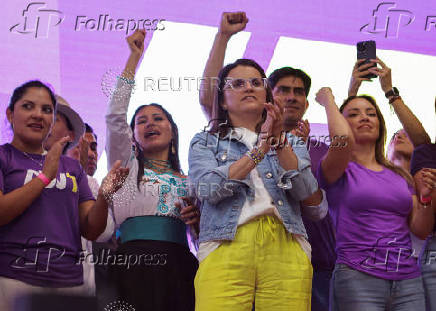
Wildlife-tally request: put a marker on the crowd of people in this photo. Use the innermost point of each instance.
(277, 223)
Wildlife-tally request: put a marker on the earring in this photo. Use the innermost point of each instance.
(173, 150)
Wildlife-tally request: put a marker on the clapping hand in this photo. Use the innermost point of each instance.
(273, 125)
(303, 130)
(51, 162)
(113, 181)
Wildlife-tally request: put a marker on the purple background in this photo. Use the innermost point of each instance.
(73, 62)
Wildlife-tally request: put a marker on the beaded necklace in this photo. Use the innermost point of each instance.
(160, 166)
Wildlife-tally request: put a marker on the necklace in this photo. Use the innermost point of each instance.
(40, 163)
(160, 166)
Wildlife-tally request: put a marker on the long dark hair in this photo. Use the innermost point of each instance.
(173, 158)
(220, 122)
(381, 140)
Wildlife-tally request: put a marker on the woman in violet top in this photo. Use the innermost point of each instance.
(374, 209)
(159, 271)
(45, 203)
(253, 245)
(423, 169)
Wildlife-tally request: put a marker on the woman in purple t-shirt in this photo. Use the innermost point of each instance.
(45, 203)
(374, 207)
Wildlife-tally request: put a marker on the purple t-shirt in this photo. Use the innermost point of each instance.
(42, 246)
(371, 210)
(321, 233)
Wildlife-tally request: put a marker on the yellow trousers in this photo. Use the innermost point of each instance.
(263, 264)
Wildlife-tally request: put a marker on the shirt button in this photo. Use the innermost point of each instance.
(280, 202)
(268, 175)
(224, 156)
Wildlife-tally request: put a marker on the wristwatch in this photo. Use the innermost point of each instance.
(393, 92)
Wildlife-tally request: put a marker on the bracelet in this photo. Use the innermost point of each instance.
(425, 201)
(256, 155)
(44, 179)
(393, 98)
(128, 81)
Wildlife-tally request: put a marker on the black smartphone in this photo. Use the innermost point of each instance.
(366, 50)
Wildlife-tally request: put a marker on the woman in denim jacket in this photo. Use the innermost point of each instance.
(253, 245)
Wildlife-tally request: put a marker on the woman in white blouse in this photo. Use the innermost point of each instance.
(154, 268)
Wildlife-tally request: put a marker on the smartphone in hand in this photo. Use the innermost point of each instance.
(367, 50)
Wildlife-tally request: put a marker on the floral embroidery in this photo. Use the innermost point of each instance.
(170, 189)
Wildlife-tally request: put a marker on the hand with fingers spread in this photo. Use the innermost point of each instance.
(113, 181)
(384, 73)
(325, 97)
(51, 163)
(303, 130)
(232, 22)
(358, 76)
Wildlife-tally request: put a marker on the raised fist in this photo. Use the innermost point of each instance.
(232, 22)
(325, 96)
(136, 41)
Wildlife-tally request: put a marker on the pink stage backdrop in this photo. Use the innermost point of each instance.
(70, 44)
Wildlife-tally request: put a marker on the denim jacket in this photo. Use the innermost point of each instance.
(222, 198)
